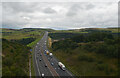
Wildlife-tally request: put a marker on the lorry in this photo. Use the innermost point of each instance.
(47, 52)
(61, 66)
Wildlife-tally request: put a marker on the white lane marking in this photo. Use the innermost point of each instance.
(69, 73)
(49, 68)
(59, 68)
(30, 66)
(37, 64)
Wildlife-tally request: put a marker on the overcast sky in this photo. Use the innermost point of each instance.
(61, 15)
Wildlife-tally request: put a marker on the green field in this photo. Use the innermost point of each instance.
(19, 34)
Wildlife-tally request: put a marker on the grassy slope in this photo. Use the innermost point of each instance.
(35, 42)
(85, 68)
(32, 46)
(19, 34)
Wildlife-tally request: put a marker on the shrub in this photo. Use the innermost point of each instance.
(85, 58)
(100, 67)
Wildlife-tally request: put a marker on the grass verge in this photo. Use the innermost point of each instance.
(32, 53)
(32, 44)
(32, 66)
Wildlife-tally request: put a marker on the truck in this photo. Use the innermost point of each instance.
(62, 66)
(47, 52)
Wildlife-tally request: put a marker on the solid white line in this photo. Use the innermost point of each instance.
(69, 73)
(48, 66)
(37, 64)
(30, 66)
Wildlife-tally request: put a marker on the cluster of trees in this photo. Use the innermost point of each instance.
(99, 42)
(90, 54)
(94, 36)
(25, 41)
(64, 45)
(15, 58)
(62, 35)
(109, 47)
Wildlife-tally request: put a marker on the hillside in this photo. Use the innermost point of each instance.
(15, 58)
(94, 54)
(61, 34)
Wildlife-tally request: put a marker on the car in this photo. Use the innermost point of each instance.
(45, 65)
(42, 75)
(40, 59)
(52, 64)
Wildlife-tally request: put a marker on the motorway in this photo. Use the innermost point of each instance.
(40, 66)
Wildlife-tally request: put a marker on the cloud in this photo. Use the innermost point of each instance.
(74, 10)
(90, 6)
(49, 10)
(59, 15)
(26, 18)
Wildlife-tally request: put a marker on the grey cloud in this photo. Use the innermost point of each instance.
(90, 6)
(49, 10)
(74, 9)
(68, 15)
(19, 7)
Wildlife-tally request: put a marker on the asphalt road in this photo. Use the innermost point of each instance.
(51, 70)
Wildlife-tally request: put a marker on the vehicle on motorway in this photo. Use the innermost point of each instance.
(61, 66)
(51, 55)
(47, 52)
(45, 65)
(40, 59)
(42, 75)
(52, 64)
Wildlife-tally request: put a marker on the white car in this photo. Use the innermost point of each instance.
(43, 75)
(52, 64)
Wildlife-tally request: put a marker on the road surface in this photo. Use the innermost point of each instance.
(40, 66)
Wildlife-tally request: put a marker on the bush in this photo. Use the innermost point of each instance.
(85, 58)
(15, 60)
(25, 41)
(64, 45)
(100, 62)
